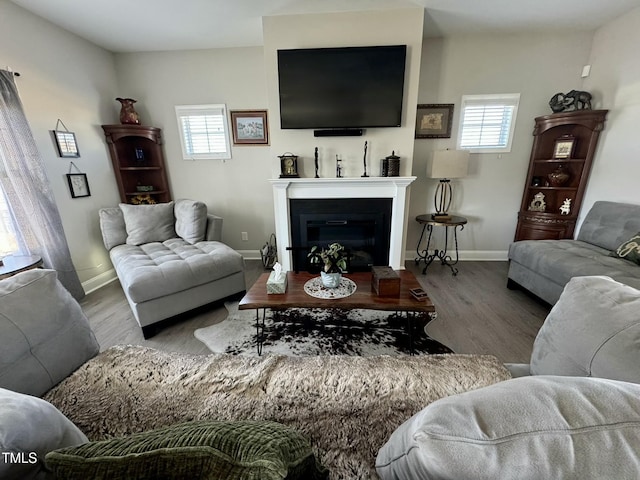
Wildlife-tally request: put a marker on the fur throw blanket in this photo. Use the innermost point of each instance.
(347, 406)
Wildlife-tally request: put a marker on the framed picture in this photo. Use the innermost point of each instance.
(78, 185)
(249, 127)
(434, 120)
(66, 143)
(564, 146)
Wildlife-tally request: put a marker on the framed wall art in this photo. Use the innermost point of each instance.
(78, 185)
(434, 120)
(563, 147)
(249, 127)
(66, 143)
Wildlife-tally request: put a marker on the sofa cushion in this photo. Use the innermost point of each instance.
(527, 428)
(608, 224)
(148, 223)
(593, 330)
(191, 220)
(45, 335)
(243, 450)
(629, 250)
(158, 269)
(561, 260)
(29, 429)
(112, 227)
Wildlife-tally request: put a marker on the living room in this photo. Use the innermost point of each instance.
(66, 77)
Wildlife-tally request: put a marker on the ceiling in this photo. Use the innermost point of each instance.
(155, 25)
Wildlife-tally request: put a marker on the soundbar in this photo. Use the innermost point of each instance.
(339, 132)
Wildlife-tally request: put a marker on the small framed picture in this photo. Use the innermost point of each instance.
(78, 185)
(564, 146)
(249, 127)
(434, 120)
(66, 143)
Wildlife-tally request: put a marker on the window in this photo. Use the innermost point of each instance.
(8, 239)
(204, 132)
(487, 122)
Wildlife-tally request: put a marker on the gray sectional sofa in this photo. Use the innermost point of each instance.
(545, 266)
(169, 258)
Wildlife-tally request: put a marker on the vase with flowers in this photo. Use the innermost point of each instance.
(333, 260)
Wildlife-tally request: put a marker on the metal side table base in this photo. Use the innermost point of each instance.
(428, 223)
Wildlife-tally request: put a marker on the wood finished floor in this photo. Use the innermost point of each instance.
(476, 313)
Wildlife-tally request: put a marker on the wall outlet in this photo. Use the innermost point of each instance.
(245, 236)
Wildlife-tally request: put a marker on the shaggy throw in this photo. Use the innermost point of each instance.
(347, 406)
(314, 331)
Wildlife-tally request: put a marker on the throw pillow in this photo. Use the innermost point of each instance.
(244, 450)
(191, 220)
(29, 429)
(112, 227)
(592, 331)
(527, 429)
(629, 250)
(148, 223)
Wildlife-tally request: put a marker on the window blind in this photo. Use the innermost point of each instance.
(204, 131)
(487, 122)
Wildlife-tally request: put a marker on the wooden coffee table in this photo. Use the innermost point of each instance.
(363, 298)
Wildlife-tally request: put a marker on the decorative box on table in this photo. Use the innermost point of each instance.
(385, 282)
(277, 282)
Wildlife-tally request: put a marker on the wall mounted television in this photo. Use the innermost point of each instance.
(347, 87)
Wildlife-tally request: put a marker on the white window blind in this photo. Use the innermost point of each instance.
(204, 132)
(487, 122)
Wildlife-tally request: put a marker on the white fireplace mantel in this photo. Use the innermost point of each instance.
(353, 187)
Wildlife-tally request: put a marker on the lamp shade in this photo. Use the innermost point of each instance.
(449, 164)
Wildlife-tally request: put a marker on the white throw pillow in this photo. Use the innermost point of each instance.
(191, 220)
(29, 429)
(148, 223)
(531, 428)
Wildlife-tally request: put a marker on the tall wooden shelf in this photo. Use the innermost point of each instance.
(138, 160)
(585, 126)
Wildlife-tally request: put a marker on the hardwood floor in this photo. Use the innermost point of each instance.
(476, 313)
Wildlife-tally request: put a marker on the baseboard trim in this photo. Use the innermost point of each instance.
(250, 254)
(99, 281)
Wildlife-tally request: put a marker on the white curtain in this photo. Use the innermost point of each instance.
(27, 190)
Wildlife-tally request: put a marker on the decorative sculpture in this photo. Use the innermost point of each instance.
(315, 154)
(567, 102)
(338, 167)
(364, 160)
(128, 114)
(565, 208)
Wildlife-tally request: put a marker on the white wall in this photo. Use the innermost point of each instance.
(235, 189)
(615, 84)
(535, 65)
(65, 77)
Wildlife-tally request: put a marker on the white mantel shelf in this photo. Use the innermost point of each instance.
(348, 187)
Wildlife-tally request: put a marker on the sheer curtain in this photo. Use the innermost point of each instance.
(27, 190)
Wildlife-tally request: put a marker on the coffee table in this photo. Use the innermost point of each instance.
(363, 298)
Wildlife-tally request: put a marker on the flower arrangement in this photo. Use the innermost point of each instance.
(334, 258)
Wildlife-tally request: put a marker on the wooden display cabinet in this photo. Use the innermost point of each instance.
(138, 163)
(573, 136)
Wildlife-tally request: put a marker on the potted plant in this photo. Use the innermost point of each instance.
(334, 260)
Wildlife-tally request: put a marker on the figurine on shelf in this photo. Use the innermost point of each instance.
(538, 204)
(338, 167)
(565, 208)
(128, 114)
(365, 160)
(316, 161)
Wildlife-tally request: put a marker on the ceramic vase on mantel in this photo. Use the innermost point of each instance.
(330, 280)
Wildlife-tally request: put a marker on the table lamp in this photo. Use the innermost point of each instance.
(447, 164)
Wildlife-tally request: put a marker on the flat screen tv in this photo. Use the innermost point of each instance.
(349, 87)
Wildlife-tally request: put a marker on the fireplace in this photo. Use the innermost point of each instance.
(361, 225)
(389, 189)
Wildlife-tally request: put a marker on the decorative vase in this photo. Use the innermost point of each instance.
(330, 280)
(558, 177)
(128, 114)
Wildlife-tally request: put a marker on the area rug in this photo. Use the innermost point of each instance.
(305, 331)
(346, 405)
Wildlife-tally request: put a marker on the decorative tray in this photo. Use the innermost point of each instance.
(315, 288)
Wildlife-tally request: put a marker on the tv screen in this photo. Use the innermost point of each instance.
(349, 87)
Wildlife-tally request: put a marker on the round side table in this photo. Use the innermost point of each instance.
(12, 264)
(428, 223)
